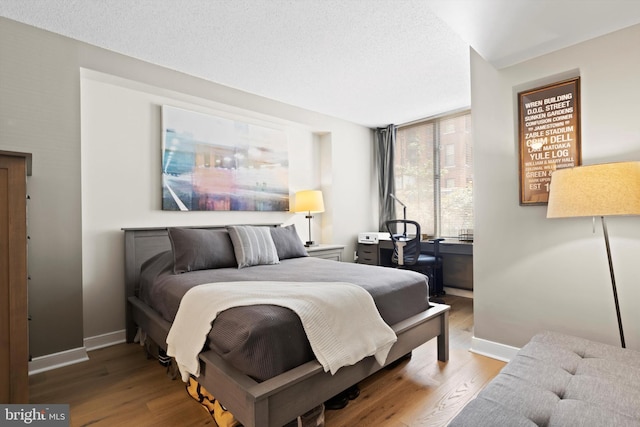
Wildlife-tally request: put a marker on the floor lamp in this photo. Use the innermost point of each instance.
(309, 201)
(602, 190)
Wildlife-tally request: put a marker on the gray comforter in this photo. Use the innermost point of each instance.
(263, 341)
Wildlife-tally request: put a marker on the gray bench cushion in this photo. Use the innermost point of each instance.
(560, 380)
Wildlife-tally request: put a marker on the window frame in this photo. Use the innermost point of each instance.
(438, 122)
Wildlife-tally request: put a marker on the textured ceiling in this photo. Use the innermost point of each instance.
(372, 62)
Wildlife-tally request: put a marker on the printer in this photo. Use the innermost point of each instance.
(373, 237)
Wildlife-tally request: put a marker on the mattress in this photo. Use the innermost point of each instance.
(263, 341)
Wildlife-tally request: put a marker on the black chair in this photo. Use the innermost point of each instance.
(406, 237)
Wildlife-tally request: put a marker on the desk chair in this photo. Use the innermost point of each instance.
(405, 235)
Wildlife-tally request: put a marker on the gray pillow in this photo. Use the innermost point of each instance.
(287, 242)
(200, 249)
(253, 245)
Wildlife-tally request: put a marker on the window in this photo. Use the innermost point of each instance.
(434, 173)
(448, 126)
(450, 155)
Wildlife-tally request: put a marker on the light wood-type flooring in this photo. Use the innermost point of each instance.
(119, 386)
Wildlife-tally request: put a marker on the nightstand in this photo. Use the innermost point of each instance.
(333, 252)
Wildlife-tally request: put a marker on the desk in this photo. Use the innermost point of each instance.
(457, 259)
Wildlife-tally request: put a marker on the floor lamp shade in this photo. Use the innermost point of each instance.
(309, 201)
(595, 190)
(602, 190)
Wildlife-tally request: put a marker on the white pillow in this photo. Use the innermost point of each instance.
(253, 245)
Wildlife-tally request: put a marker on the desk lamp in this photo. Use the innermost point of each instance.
(309, 201)
(597, 190)
(404, 213)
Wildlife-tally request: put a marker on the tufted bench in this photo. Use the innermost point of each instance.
(560, 380)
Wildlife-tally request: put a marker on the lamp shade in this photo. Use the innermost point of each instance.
(309, 201)
(595, 190)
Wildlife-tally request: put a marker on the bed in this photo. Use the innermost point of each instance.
(267, 397)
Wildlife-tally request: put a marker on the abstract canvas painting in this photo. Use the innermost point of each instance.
(212, 163)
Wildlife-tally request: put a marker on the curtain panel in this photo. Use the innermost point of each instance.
(385, 146)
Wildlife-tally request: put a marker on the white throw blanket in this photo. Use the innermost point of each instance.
(341, 320)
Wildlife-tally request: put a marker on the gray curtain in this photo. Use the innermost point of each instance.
(385, 146)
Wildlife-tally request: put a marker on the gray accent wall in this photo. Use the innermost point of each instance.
(39, 113)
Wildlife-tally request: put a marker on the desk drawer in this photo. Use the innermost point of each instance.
(458, 271)
(367, 254)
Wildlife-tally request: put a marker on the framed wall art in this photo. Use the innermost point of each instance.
(548, 136)
(212, 163)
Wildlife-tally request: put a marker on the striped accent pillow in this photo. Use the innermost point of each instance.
(253, 245)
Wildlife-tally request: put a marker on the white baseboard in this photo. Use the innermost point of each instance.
(492, 349)
(105, 340)
(75, 355)
(57, 360)
(458, 292)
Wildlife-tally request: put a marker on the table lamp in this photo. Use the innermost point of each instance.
(597, 190)
(309, 201)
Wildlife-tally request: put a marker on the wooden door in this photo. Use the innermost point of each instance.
(14, 347)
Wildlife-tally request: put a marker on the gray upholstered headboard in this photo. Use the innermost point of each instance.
(140, 244)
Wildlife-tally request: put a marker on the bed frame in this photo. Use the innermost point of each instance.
(276, 401)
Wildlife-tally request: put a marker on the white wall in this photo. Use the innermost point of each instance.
(121, 181)
(533, 273)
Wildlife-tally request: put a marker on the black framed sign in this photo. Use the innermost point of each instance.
(548, 136)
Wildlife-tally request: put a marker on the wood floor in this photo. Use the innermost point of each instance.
(119, 386)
